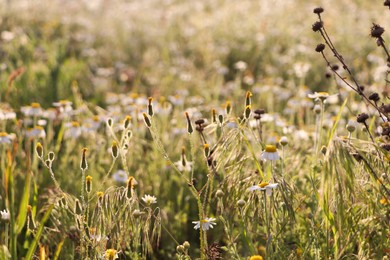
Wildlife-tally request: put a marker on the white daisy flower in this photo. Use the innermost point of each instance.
(268, 187)
(5, 215)
(207, 223)
(33, 110)
(36, 132)
(148, 199)
(270, 153)
(183, 165)
(5, 138)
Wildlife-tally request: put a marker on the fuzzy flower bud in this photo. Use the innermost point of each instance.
(39, 150)
(147, 120)
(228, 107)
(88, 184)
(83, 163)
(114, 149)
(247, 112)
(127, 122)
(50, 156)
(150, 107)
(219, 194)
(248, 98)
(283, 140)
(206, 148)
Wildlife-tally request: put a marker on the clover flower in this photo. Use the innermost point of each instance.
(207, 223)
(265, 186)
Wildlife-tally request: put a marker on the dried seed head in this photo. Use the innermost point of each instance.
(377, 31)
(147, 121)
(114, 149)
(88, 184)
(385, 108)
(214, 115)
(39, 150)
(259, 111)
(318, 10)
(317, 26)
(320, 47)
(374, 97)
(200, 121)
(83, 163)
(387, 3)
(361, 118)
(190, 129)
(335, 67)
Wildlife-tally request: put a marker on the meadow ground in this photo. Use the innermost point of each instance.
(172, 129)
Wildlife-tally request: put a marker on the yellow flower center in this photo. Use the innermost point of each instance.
(256, 257)
(75, 124)
(3, 134)
(35, 105)
(323, 94)
(88, 178)
(100, 194)
(110, 253)
(270, 148)
(263, 184)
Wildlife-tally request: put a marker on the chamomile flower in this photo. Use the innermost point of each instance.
(183, 165)
(110, 254)
(36, 132)
(265, 186)
(73, 130)
(5, 138)
(148, 199)
(206, 223)
(33, 110)
(270, 153)
(319, 95)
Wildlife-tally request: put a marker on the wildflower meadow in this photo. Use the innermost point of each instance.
(209, 129)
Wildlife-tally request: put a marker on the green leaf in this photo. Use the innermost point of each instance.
(23, 205)
(38, 235)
